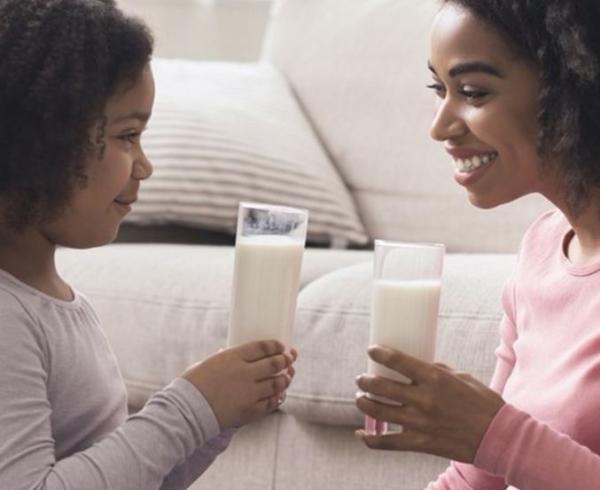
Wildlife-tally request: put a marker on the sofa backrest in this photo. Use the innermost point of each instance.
(358, 68)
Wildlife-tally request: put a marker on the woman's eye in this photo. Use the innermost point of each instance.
(472, 94)
(438, 88)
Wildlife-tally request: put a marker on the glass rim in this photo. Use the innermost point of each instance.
(272, 207)
(395, 243)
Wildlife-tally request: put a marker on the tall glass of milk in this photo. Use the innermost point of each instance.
(404, 305)
(269, 247)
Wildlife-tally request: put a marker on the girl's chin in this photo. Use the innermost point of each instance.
(94, 238)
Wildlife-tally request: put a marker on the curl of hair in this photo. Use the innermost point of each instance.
(60, 60)
(563, 39)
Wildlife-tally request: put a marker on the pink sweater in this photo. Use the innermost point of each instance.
(547, 436)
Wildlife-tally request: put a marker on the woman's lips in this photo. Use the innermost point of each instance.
(472, 176)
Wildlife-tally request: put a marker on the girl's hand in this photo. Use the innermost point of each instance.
(245, 382)
(443, 412)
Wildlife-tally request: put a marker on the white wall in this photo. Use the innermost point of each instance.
(204, 29)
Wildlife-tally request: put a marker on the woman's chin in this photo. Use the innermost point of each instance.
(483, 201)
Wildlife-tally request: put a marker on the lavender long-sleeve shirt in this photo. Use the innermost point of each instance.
(63, 407)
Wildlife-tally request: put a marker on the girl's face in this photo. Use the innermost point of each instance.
(486, 109)
(114, 171)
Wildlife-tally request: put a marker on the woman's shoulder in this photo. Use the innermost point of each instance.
(549, 225)
(544, 237)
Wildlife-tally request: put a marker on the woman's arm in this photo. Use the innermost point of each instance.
(530, 455)
(476, 415)
(461, 476)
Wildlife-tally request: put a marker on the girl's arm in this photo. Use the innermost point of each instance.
(185, 474)
(137, 455)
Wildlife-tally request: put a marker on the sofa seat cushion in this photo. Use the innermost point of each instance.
(332, 332)
(164, 307)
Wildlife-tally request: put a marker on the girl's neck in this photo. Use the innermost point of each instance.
(29, 256)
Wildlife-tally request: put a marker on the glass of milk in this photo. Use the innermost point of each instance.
(404, 306)
(269, 247)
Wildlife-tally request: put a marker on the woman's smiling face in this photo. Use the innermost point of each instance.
(486, 112)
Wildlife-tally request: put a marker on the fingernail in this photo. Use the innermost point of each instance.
(359, 394)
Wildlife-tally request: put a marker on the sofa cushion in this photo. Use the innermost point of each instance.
(164, 307)
(332, 332)
(222, 133)
(359, 69)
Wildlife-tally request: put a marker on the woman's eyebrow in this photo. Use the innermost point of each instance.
(470, 67)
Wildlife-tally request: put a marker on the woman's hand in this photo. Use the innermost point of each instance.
(443, 412)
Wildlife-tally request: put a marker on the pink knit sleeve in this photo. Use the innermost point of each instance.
(461, 476)
(530, 454)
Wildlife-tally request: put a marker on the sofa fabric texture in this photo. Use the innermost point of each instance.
(222, 133)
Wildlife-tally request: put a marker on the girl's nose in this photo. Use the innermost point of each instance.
(142, 168)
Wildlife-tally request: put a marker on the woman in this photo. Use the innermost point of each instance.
(518, 90)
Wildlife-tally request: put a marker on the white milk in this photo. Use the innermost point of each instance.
(265, 286)
(404, 317)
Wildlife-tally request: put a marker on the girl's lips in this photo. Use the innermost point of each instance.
(123, 206)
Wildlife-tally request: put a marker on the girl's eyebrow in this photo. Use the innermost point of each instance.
(140, 116)
(470, 67)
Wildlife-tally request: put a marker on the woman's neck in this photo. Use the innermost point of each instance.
(29, 256)
(584, 247)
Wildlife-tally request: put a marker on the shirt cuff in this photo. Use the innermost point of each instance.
(205, 416)
(497, 439)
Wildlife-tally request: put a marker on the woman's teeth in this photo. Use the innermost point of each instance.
(466, 165)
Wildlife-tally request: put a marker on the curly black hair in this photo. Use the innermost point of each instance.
(562, 37)
(60, 60)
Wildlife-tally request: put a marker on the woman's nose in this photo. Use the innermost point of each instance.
(447, 123)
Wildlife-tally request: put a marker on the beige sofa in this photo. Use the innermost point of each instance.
(354, 74)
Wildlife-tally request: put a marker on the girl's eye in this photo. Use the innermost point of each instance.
(130, 137)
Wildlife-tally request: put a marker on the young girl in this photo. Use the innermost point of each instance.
(518, 87)
(76, 92)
